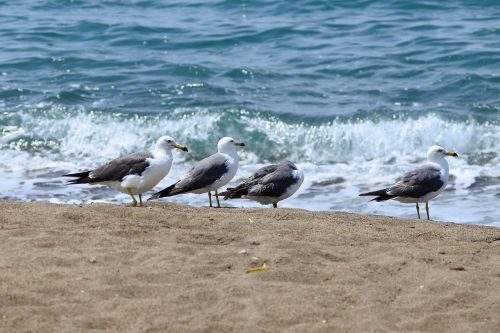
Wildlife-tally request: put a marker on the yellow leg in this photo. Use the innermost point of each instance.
(134, 202)
(217, 197)
(427, 209)
(275, 204)
(140, 200)
(418, 211)
(210, 198)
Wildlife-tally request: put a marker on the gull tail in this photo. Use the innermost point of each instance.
(381, 195)
(234, 192)
(81, 177)
(166, 192)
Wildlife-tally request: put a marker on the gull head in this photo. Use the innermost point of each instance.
(167, 143)
(436, 153)
(227, 145)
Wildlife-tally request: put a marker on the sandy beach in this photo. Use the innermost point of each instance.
(175, 268)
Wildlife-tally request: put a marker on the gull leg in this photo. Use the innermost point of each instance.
(275, 204)
(134, 202)
(217, 197)
(140, 200)
(427, 209)
(210, 198)
(418, 211)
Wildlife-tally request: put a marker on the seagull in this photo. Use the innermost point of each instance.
(422, 184)
(133, 173)
(209, 174)
(269, 184)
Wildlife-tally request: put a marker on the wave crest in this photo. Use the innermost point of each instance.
(97, 136)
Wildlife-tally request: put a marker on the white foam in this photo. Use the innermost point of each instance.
(341, 141)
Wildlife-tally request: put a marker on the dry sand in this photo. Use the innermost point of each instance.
(174, 268)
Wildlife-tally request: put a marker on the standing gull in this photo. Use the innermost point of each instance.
(422, 184)
(133, 173)
(209, 174)
(269, 184)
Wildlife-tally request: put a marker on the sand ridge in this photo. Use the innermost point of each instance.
(176, 268)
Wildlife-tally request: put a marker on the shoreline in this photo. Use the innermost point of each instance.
(172, 267)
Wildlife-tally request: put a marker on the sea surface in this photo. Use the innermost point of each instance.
(353, 92)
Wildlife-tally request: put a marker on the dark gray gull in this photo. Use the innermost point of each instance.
(133, 173)
(269, 184)
(209, 174)
(422, 184)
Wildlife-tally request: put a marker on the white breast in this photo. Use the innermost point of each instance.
(158, 168)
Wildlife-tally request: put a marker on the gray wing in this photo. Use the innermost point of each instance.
(243, 188)
(274, 183)
(267, 170)
(417, 183)
(204, 173)
(119, 168)
(259, 174)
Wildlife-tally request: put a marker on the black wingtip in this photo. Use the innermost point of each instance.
(163, 193)
(77, 174)
(381, 195)
(155, 196)
(81, 177)
(374, 193)
(384, 198)
(233, 193)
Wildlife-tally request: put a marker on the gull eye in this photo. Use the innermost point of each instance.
(169, 141)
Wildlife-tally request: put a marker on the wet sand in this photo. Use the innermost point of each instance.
(175, 268)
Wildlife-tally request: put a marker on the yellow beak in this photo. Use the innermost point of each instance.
(451, 153)
(181, 147)
(237, 143)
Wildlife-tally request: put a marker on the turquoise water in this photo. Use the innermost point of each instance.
(353, 92)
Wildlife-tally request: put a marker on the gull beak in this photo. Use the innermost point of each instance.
(237, 143)
(452, 153)
(181, 147)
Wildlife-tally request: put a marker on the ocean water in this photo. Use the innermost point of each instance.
(354, 92)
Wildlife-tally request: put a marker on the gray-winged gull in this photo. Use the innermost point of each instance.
(133, 173)
(208, 174)
(269, 184)
(422, 184)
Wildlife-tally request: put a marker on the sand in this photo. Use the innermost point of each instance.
(175, 268)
